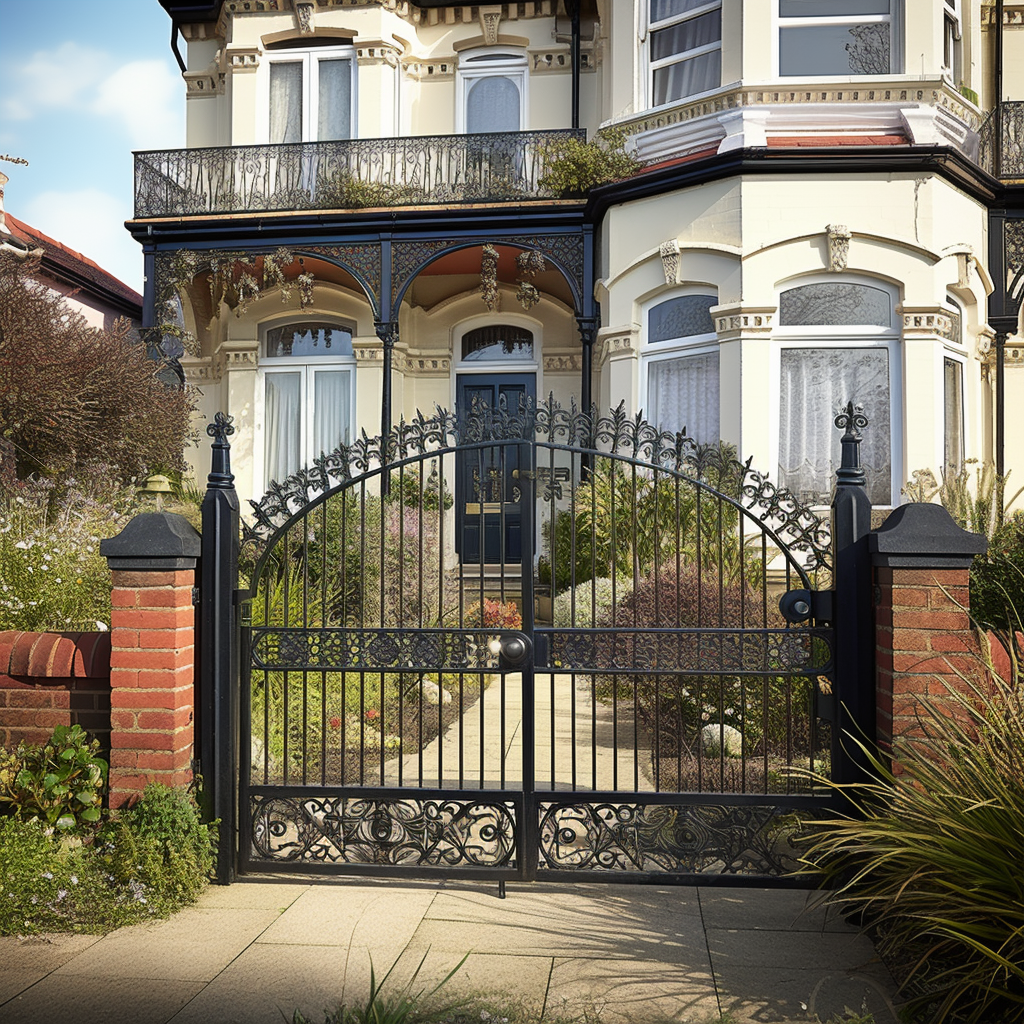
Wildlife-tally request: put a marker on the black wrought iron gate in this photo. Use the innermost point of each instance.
(644, 694)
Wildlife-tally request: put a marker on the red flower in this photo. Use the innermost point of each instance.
(371, 714)
(335, 722)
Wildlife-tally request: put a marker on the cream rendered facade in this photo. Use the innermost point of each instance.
(764, 183)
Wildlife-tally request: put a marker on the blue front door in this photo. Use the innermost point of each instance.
(489, 520)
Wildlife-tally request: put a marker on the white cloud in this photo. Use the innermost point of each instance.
(91, 222)
(146, 98)
(143, 98)
(52, 78)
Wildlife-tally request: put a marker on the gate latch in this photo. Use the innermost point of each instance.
(514, 651)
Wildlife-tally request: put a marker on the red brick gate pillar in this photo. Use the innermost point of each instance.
(921, 563)
(152, 655)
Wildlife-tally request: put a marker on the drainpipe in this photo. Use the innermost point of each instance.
(574, 59)
(999, 89)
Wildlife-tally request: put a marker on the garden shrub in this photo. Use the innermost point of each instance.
(575, 166)
(589, 603)
(60, 782)
(931, 855)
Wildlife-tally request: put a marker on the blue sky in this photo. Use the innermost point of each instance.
(83, 83)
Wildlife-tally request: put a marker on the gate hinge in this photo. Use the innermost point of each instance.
(195, 597)
(822, 605)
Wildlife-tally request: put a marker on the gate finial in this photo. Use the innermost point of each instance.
(221, 476)
(851, 420)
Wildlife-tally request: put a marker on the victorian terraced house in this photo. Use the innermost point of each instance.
(824, 211)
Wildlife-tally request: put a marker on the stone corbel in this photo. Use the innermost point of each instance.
(732, 322)
(838, 247)
(490, 19)
(929, 322)
(964, 264)
(243, 59)
(200, 371)
(614, 346)
(670, 261)
(203, 83)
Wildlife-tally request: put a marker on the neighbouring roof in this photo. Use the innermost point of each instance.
(72, 268)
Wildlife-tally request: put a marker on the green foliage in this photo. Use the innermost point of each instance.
(147, 862)
(575, 167)
(160, 847)
(61, 782)
(405, 1004)
(981, 505)
(346, 191)
(931, 855)
(52, 575)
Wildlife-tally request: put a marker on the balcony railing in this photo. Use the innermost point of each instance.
(411, 171)
(1001, 150)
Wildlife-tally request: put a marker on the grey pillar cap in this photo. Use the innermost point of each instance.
(924, 536)
(153, 541)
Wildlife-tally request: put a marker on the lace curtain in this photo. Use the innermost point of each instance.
(492, 105)
(684, 392)
(331, 412)
(282, 412)
(286, 101)
(816, 383)
(334, 117)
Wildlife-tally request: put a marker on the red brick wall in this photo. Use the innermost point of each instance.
(151, 674)
(51, 679)
(923, 640)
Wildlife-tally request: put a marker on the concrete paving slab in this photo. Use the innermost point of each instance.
(98, 1000)
(352, 916)
(42, 953)
(759, 995)
(194, 945)
(762, 909)
(790, 949)
(634, 991)
(251, 896)
(14, 981)
(266, 983)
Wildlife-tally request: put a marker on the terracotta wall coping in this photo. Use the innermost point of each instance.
(55, 655)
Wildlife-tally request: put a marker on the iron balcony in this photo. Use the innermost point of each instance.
(348, 174)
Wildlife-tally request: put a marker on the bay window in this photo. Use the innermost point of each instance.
(684, 48)
(838, 37)
(680, 366)
(837, 344)
(307, 376)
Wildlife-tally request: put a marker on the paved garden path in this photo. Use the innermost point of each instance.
(580, 744)
(253, 952)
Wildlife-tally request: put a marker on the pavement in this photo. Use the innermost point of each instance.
(256, 951)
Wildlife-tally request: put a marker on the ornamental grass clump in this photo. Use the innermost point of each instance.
(931, 856)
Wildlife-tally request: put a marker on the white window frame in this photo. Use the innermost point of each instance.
(955, 350)
(649, 65)
(307, 366)
(689, 345)
(309, 58)
(859, 336)
(894, 19)
(491, 62)
(952, 34)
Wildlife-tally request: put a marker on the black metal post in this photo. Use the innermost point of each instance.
(997, 104)
(387, 331)
(588, 332)
(218, 645)
(1000, 401)
(854, 682)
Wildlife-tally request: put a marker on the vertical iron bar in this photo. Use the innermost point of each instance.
(530, 830)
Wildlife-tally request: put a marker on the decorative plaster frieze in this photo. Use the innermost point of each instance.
(838, 247)
(202, 83)
(247, 59)
(1013, 16)
(251, 6)
(563, 364)
(201, 371)
(239, 359)
(368, 352)
(200, 31)
(927, 322)
(670, 260)
(379, 53)
(423, 366)
(613, 347)
(737, 321)
(559, 60)
(423, 70)
(986, 341)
